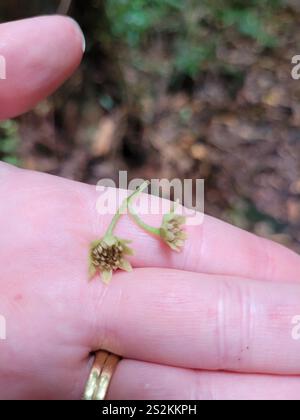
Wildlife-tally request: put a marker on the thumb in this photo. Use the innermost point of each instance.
(36, 56)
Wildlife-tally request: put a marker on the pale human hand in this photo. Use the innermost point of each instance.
(214, 322)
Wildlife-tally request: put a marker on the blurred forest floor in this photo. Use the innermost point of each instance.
(178, 89)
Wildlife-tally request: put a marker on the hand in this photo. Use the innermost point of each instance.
(214, 322)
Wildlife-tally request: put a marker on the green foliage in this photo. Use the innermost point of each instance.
(131, 20)
(9, 142)
(186, 23)
(248, 18)
(190, 57)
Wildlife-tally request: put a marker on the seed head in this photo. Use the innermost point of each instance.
(171, 230)
(108, 255)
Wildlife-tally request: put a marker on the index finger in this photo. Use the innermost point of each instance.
(213, 247)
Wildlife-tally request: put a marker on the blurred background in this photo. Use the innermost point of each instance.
(177, 88)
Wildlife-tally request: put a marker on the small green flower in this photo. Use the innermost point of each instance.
(108, 255)
(171, 230)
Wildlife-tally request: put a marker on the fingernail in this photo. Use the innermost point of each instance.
(83, 43)
(80, 30)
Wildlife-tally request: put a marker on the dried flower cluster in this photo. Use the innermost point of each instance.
(172, 231)
(109, 253)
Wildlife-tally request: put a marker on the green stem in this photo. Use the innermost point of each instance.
(126, 203)
(142, 224)
(134, 215)
(116, 218)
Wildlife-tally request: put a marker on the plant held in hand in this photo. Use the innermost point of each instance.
(110, 253)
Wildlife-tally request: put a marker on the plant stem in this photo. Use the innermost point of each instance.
(137, 219)
(126, 204)
(116, 218)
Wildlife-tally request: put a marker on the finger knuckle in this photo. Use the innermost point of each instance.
(235, 324)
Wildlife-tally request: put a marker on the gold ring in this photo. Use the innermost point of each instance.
(100, 377)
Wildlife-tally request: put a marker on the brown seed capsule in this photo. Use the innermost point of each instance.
(172, 231)
(108, 255)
